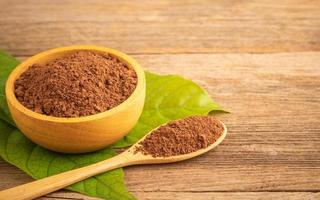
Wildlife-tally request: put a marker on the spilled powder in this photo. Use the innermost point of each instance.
(79, 84)
(181, 137)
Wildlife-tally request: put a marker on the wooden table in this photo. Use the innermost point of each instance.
(259, 60)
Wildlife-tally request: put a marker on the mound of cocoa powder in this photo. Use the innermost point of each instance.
(181, 137)
(79, 84)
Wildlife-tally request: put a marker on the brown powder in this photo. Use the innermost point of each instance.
(79, 84)
(181, 137)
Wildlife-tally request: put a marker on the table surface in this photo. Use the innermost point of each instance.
(259, 60)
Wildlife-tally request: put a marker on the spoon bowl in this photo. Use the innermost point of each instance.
(148, 159)
(129, 157)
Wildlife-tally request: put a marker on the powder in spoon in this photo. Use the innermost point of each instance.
(181, 137)
(78, 84)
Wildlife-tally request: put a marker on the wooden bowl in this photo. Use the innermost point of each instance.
(81, 134)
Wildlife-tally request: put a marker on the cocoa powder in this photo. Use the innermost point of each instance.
(181, 137)
(78, 84)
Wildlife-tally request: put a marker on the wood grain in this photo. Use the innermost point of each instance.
(259, 59)
(166, 26)
(204, 196)
(274, 141)
(273, 147)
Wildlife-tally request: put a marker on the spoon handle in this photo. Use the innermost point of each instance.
(47, 185)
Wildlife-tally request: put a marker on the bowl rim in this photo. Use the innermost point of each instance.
(23, 66)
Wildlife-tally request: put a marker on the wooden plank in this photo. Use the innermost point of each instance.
(202, 196)
(162, 195)
(161, 26)
(273, 143)
(228, 195)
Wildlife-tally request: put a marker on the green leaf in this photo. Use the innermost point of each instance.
(7, 64)
(38, 162)
(169, 97)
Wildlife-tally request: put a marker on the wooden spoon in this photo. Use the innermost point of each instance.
(129, 157)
